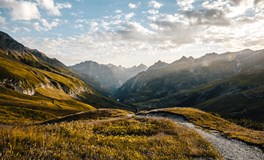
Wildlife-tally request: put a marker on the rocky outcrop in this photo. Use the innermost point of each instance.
(18, 86)
(29, 89)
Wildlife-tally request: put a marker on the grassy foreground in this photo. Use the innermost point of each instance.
(213, 122)
(112, 138)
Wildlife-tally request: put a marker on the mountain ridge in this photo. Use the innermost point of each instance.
(178, 83)
(106, 77)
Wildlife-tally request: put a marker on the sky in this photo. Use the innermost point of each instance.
(130, 32)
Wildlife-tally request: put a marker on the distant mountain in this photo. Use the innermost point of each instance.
(106, 78)
(182, 83)
(31, 84)
(158, 65)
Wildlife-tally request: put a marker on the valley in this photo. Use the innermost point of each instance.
(131, 80)
(96, 111)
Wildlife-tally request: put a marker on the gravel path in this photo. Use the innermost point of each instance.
(229, 149)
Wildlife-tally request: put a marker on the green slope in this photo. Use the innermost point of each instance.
(34, 87)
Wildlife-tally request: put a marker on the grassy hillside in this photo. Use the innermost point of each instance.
(27, 77)
(16, 107)
(239, 98)
(119, 138)
(54, 94)
(34, 87)
(51, 92)
(90, 115)
(212, 122)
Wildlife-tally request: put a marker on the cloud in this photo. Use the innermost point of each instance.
(50, 25)
(207, 17)
(172, 29)
(94, 26)
(155, 4)
(129, 16)
(195, 28)
(44, 25)
(118, 11)
(21, 10)
(217, 4)
(185, 4)
(132, 5)
(28, 12)
(256, 2)
(3, 21)
(20, 29)
(53, 8)
(133, 31)
(236, 2)
(153, 11)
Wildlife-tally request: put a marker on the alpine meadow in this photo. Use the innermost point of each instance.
(132, 80)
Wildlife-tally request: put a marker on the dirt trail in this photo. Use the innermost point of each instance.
(229, 149)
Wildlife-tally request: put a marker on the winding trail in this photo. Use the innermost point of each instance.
(229, 149)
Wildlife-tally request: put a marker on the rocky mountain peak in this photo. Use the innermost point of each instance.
(143, 66)
(7, 42)
(158, 65)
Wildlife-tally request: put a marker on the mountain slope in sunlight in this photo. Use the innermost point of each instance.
(32, 83)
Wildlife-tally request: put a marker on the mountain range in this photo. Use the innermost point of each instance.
(34, 86)
(106, 78)
(231, 84)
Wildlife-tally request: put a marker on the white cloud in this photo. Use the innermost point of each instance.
(77, 14)
(132, 5)
(20, 29)
(49, 26)
(53, 8)
(118, 11)
(207, 26)
(3, 21)
(37, 26)
(94, 26)
(153, 11)
(185, 4)
(155, 4)
(78, 26)
(44, 25)
(21, 10)
(129, 16)
(241, 9)
(217, 4)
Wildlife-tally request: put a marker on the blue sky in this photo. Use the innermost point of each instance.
(130, 32)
